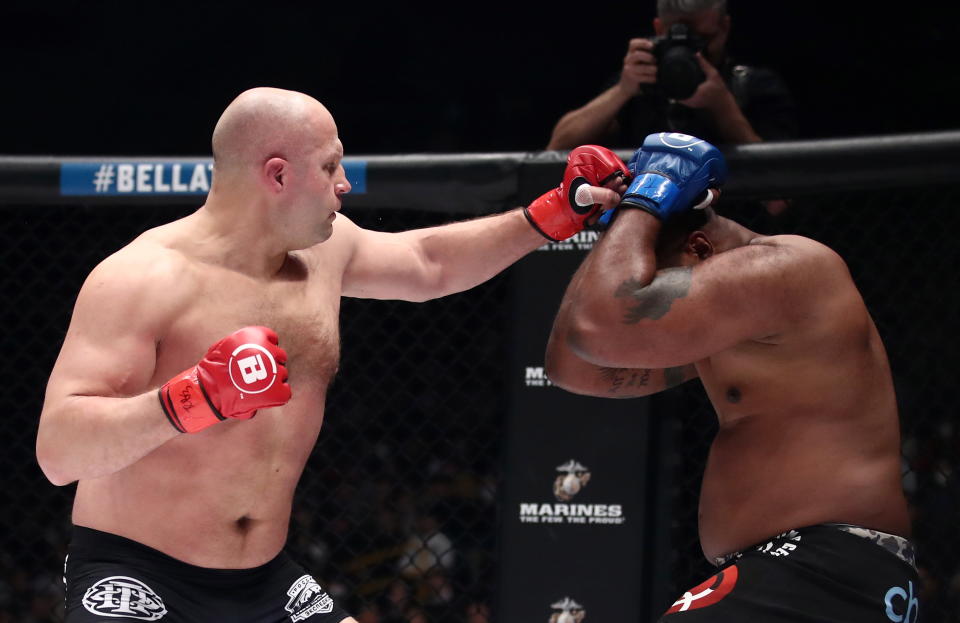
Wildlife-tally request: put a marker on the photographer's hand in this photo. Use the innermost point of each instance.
(714, 97)
(639, 67)
(712, 93)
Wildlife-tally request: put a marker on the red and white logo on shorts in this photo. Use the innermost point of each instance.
(708, 593)
(252, 368)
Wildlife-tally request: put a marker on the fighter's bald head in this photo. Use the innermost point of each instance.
(264, 122)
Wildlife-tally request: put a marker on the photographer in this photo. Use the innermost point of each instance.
(683, 81)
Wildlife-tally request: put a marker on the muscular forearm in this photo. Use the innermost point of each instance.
(91, 436)
(599, 307)
(465, 254)
(590, 123)
(566, 369)
(626, 253)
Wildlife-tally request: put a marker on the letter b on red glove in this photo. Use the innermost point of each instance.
(241, 373)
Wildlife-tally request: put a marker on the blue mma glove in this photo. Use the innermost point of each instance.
(671, 174)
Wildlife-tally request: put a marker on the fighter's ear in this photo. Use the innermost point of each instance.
(274, 172)
(698, 245)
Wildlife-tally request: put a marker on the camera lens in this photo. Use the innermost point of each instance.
(679, 73)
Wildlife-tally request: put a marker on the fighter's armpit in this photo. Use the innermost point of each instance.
(653, 301)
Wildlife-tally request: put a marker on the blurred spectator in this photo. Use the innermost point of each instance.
(707, 95)
(438, 596)
(416, 615)
(477, 612)
(305, 537)
(395, 601)
(733, 104)
(426, 548)
(367, 613)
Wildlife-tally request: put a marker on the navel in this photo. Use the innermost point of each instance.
(733, 395)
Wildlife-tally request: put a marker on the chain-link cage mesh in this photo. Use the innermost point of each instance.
(900, 250)
(396, 512)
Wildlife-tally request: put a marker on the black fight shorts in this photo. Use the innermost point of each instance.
(113, 579)
(820, 574)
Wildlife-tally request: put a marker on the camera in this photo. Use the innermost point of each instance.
(678, 72)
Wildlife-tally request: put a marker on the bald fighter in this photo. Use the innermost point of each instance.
(801, 505)
(190, 387)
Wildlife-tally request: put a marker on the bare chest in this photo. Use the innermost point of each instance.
(303, 312)
(752, 378)
(801, 377)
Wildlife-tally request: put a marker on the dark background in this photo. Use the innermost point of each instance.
(138, 78)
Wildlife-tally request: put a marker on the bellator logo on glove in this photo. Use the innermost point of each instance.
(241, 373)
(247, 364)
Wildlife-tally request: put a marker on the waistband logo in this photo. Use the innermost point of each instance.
(902, 606)
(122, 596)
(708, 593)
(307, 599)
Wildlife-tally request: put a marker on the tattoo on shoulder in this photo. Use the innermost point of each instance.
(654, 300)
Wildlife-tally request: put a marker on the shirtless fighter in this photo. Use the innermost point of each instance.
(801, 506)
(187, 455)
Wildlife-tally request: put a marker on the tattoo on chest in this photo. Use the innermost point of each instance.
(653, 301)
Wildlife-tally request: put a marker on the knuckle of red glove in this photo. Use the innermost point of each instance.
(251, 373)
(241, 373)
(562, 212)
(597, 164)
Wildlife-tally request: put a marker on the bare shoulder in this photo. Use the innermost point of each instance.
(123, 309)
(340, 246)
(818, 286)
(780, 284)
(145, 279)
(145, 263)
(800, 256)
(799, 247)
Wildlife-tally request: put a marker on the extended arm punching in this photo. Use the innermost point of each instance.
(428, 263)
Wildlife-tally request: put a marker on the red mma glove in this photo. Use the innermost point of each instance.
(560, 213)
(241, 373)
